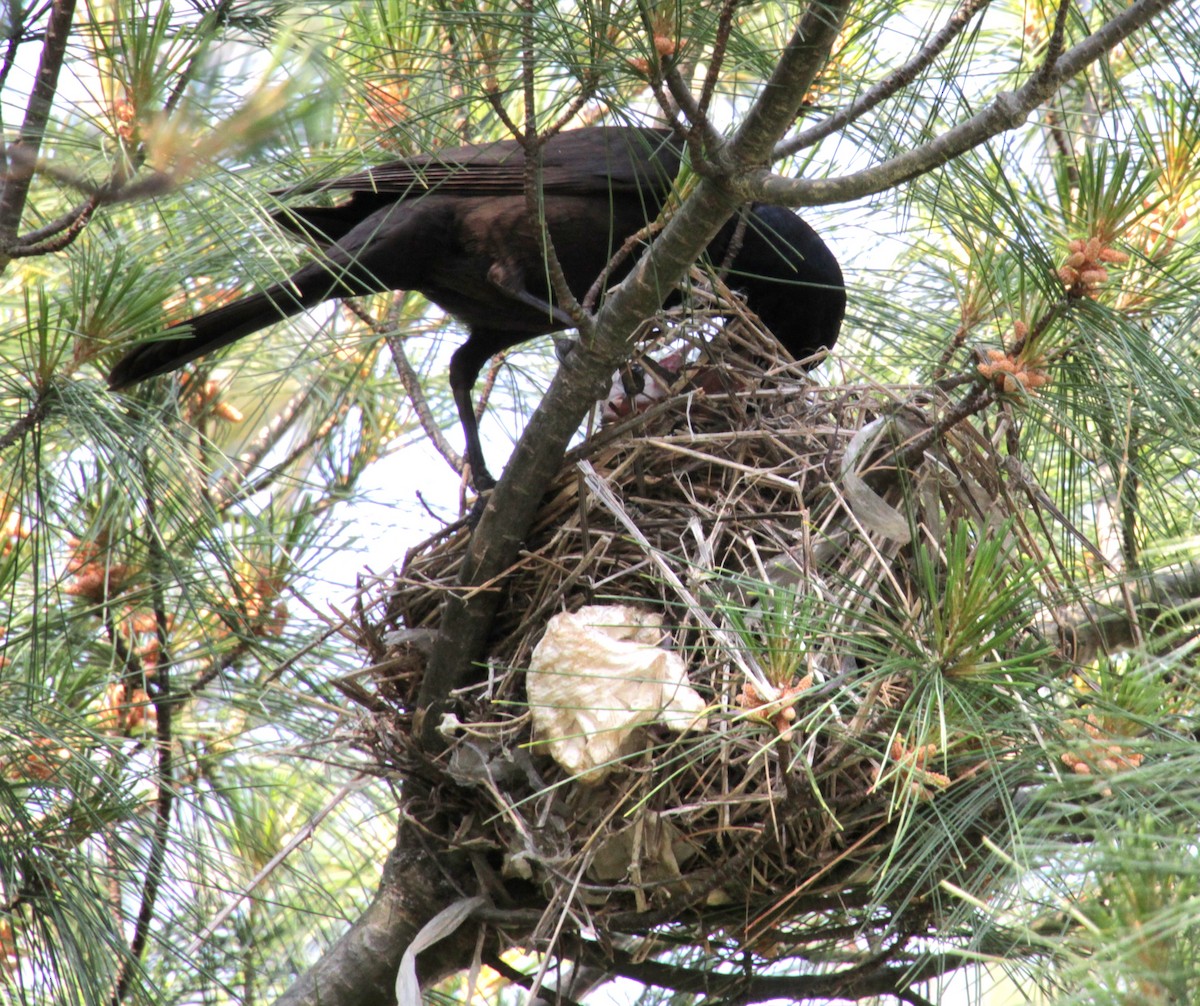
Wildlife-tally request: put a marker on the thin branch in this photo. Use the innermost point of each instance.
(686, 101)
(1117, 619)
(64, 231)
(411, 382)
(207, 675)
(32, 418)
(887, 87)
(663, 69)
(217, 17)
(631, 243)
(533, 206)
(61, 231)
(290, 846)
(977, 399)
(318, 433)
(534, 143)
(802, 59)
(420, 404)
(522, 980)
(873, 977)
(164, 742)
(16, 36)
(267, 439)
(716, 59)
(37, 115)
(1008, 110)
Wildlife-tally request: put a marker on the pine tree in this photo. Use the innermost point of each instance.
(197, 797)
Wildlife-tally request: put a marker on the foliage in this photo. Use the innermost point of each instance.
(187, 809)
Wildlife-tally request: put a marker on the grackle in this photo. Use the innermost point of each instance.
(455, 227)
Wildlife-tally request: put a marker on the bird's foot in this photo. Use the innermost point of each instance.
(483, 484)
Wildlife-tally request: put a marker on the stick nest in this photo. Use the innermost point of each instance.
(785, 533)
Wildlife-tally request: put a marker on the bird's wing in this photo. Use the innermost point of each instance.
(575, 162)
(491, 168)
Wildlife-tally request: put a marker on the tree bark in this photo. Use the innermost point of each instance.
(360, 968)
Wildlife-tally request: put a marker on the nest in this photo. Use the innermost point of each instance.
(782, 532)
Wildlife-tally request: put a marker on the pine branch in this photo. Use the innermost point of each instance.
(890, 85)
(1118, 618)
(1007, 111)
(37, 115)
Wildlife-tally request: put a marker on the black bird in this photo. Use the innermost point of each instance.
(455, 227)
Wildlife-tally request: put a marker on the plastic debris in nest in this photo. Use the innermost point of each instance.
(599, 674)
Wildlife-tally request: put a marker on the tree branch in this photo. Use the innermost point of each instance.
(37, 115)
(1116, 619)
(877, 976)
(33, 416)
(775, 110)
(164, 774)
(1008, 110)
(883, 90)
(360, 968)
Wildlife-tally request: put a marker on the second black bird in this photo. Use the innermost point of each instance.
(455, 227)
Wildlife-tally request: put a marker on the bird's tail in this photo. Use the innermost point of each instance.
(207, 332)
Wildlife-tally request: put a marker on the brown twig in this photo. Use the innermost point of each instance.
(164, 784)
(894, 82)
(420, 403)
(411, 382)
(37, 115)
(1008, 110)
(716, 59)
(33, 416)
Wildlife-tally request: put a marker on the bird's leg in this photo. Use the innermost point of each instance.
(481, 478)
(465, 365)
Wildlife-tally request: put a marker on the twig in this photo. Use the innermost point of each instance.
(534, 142)
(245, 490)
(976, 400)
(1007, 110)
(290, 846)
(420, 403)
(16, 35)
(60, 233)
(716, 59)
(33, 129)
(412, 385)
(737, 654)
(218, 16)
(33, 416)
(164, 742)
(883, 90)
(268, 437)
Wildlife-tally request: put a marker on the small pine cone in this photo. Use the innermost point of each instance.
(665, 46)
(230, 413)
